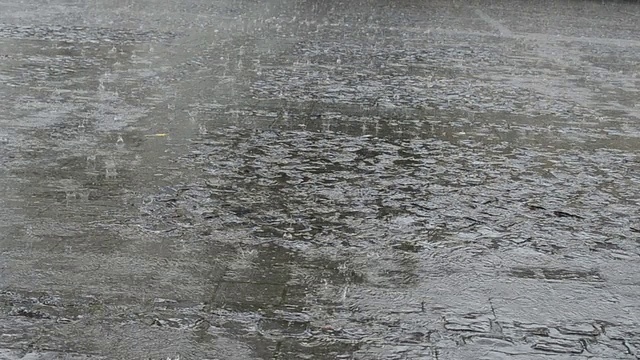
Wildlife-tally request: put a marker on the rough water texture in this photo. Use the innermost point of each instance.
(319, 180)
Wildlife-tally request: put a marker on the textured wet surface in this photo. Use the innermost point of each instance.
(231, 180)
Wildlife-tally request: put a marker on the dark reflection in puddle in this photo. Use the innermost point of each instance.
(557, 274)
(323, 181)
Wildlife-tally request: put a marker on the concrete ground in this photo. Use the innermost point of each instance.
(319, 180)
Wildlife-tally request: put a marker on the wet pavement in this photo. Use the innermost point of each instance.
(319, 180)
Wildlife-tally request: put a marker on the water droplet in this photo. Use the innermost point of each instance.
(120, 141)
(70, 195)
(110, 169)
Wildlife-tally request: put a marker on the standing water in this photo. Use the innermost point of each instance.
(319, 180)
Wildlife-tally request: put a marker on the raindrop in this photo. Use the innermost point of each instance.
(91, 160)
(70, 196)
(84, 195)
(120, 141)
(192, 115)
(110, 169)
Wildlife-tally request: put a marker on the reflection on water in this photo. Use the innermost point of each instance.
(312, 180)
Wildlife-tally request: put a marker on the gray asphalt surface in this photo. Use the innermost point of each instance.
(319, 180)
